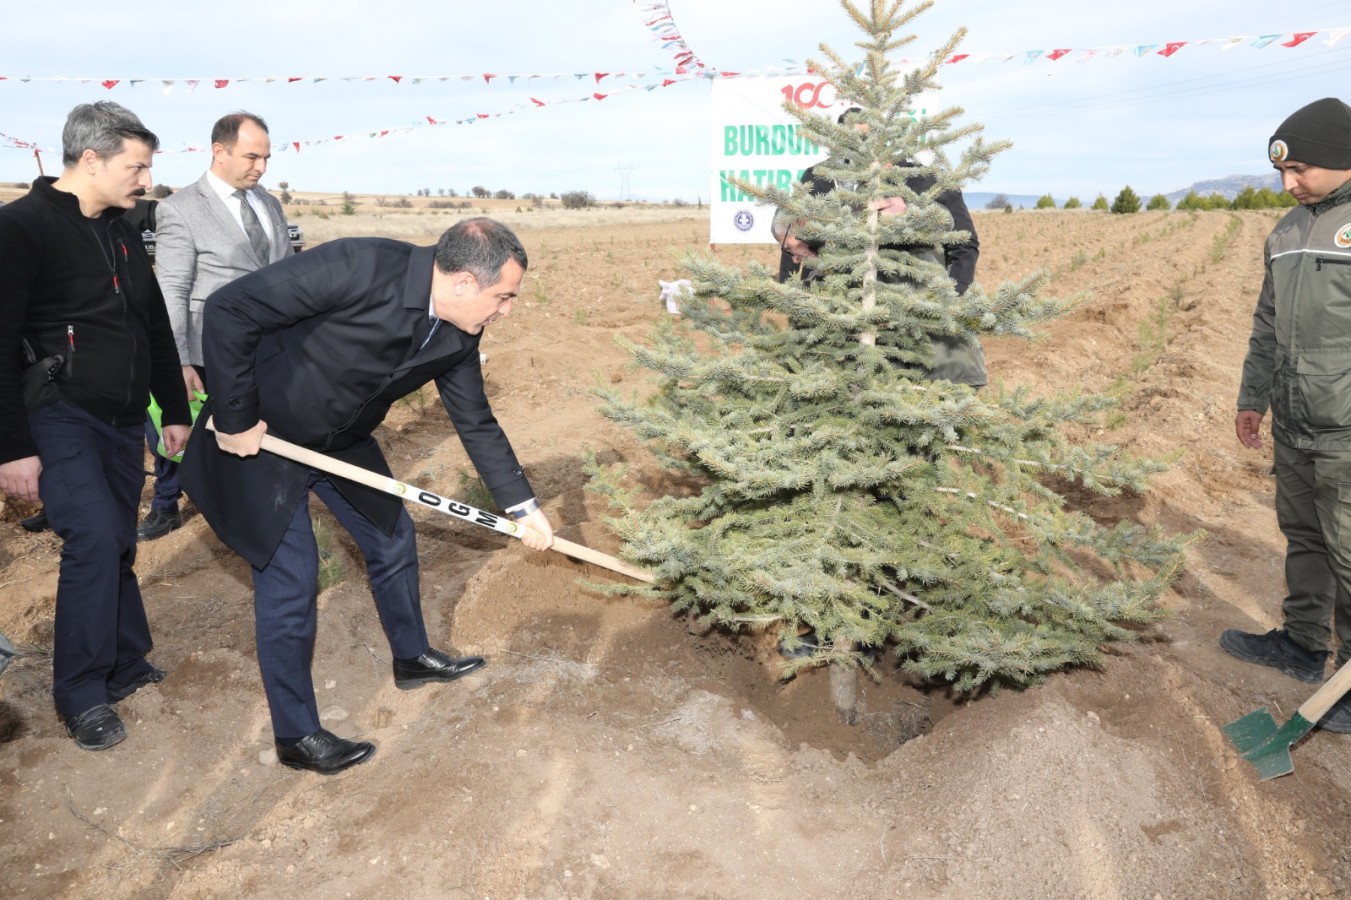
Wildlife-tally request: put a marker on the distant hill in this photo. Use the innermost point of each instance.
(978, 199)
(1230, 186)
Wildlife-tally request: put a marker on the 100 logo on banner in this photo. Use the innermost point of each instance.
(809, 94)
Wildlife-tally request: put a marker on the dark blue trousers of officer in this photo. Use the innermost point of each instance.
(92, 474)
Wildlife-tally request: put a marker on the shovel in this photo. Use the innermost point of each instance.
(1268, 747)
(442, 504)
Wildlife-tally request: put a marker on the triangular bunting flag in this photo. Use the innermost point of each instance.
(1172, 47)
(1299, 38)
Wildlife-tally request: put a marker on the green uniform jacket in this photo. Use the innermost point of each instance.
(1299, 355)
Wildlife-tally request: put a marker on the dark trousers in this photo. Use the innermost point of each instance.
(1313, 508)
(167, 489)
(285, 607)
(90, 487)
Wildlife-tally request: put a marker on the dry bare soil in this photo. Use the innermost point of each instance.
(611, 749)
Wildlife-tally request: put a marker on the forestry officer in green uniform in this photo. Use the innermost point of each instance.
(1299, 366)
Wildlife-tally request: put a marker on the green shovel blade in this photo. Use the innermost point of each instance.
(1251, 731)
(1273, 761)
(1266, 746)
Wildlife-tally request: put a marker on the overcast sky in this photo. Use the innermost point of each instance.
(1079, 126)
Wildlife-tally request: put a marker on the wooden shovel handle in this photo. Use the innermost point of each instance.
(577, 551)
(1332, 690)
(398, 488)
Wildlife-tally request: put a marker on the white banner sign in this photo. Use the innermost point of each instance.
(754, 140)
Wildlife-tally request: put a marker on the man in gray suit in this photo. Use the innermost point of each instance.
(207, 235)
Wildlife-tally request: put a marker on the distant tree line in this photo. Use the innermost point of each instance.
(1127, 201)
(452, 198)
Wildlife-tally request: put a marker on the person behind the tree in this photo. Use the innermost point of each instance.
(957, 359)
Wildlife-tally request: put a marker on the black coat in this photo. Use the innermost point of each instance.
(319, 346)
(956, 359)
(960, 259)
(64, 282)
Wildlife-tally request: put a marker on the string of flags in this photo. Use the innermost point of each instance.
(192, 84)
(1165, 49)
(658, 19)
(661, 23)
(535, 103)
(426, 121)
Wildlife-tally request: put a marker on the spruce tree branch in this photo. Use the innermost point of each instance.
(905, 595)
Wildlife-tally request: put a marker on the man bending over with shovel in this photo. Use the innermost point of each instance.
(315, 349)
(1299, 365)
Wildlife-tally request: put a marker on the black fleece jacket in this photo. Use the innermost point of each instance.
(70, 282)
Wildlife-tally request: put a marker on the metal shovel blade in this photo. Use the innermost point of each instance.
(1271, 760)
(1253, 730)
(1266, 746)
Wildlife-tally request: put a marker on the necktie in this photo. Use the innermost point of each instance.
(254, 229)
(436, 323)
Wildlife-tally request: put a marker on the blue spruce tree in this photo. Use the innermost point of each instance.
(838, 491)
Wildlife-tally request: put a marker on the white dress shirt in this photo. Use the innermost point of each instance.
(227, 194)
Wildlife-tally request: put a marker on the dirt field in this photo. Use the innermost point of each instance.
(608, 750)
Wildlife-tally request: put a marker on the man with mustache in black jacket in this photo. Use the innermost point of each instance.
(83, 327)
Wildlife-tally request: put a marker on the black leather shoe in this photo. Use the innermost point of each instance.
(154, 676)
(158, 523)
(97, 728)
(433, 666)
(36, 522)
(325, 753)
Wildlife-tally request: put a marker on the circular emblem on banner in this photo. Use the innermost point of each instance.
(1278, 151)
(743, 220)
(1343, 238)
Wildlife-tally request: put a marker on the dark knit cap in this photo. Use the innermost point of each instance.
(1317, 135)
